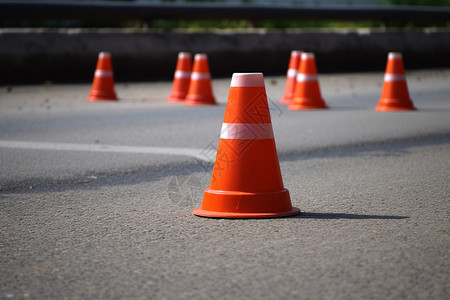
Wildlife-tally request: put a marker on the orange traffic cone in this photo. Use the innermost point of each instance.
(307, 90)
(181, 78)
(200, 88)
(291, 77)
(246, 180)
(103, 84)
(395, 95)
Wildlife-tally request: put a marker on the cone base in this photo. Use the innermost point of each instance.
(307, 103)
(94, 97)
(401, 102)
(394, 105)
(176, 97)
(233, 204)
(384, 108)
(211, 214)
(286, 101)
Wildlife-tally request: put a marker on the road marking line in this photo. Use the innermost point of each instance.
(191, 152)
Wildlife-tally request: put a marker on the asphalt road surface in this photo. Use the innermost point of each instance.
(96, 198)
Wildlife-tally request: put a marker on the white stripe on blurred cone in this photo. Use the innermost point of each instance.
(291, 77)
(181, 78)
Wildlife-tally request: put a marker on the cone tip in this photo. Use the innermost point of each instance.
(394, 55)
(184, 55)
(307, 55)
(200, 56)
(296, 52)
(104, 54)
(247, 80)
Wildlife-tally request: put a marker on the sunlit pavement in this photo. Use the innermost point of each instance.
(96, 198)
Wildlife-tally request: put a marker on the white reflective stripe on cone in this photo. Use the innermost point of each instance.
(394, 55)
(247, 80)
(246, 131)
(307, 55)
(104, 55)
(182, 74)
(102, 73)
(198, 76)
(292, 73)
(184, 55)
(200, 56)
(394, 77)
(306, 77)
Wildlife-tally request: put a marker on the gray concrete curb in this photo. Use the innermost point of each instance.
(71, 54)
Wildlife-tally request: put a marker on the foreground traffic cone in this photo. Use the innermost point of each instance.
(103, 84)
(181, 78)
(291, 77)
(395, 95)
(246, 180)
(307, 90)
(200, 87)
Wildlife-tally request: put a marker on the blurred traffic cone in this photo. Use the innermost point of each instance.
(103, 84)
(200, 88)
(395, 95)
(307, 90)
(182, 77)
(246, 180)
(291, 77)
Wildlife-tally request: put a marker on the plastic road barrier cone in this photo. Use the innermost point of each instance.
(200, 88)
(181, 78)
(307, 90)
(246, 180)
(103, 84)
(291, 77)
(395, 95)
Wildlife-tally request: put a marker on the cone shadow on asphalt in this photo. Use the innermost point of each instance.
(329, 216)
(323, 216)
